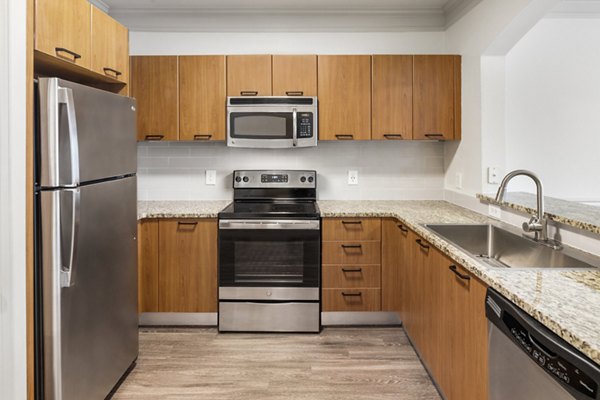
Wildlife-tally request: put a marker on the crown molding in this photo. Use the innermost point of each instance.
(101, 5)
(456, 9)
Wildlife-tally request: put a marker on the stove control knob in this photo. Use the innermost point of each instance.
(310, 179)
(238, 179)
(303, 179)
(246, 179)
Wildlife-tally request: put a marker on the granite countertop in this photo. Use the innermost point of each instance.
(582, 216)
(180, 208)
(567, 302)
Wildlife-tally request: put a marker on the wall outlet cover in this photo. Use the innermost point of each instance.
(211, 177)
(494, 211)
(459, 180)
(352, 177)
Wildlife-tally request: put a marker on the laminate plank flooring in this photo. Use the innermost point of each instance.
(340, 363)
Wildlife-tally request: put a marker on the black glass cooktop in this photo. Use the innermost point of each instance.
(276, 209)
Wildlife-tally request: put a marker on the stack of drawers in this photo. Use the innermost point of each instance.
(351, 277)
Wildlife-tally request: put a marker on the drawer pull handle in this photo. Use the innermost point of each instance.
(351, 222)
(395, 136)
(114, 71)
(352, 270)
(249, 93)
(344, 137)
(352, 246)
(420, 243)
(402, 228)
(190, 224)
(454, 269)
(351, 294)
(437, 136)
(63, 50)
(294, 93)
(202, 137)
(155, 137)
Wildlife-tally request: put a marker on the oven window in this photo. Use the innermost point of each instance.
(261, 125)
(274, 258)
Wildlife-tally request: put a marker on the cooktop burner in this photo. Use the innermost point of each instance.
(273, 209)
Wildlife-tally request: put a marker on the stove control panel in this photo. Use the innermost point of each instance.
(274, 179)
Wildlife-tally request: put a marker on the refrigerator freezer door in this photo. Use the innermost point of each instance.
(90, 323)
(85, 134)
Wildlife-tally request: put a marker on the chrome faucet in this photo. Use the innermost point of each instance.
(538, 223)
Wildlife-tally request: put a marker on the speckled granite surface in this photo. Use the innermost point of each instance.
(582, 216)
(568, 303)
(180, 209)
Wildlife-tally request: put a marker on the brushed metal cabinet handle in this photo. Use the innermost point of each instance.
(454, 269)
(114, 71)
(59, 50)
(202, 137)
(344, 137)
(249, 93)
(154, 137)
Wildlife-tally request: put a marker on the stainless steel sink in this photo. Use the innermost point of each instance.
(500, 247)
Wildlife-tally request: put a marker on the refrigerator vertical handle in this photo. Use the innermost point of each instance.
(65, 96)
(67, 272)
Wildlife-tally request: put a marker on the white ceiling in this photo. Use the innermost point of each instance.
(286, 15)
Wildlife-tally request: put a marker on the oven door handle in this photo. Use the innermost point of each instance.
(270, 224)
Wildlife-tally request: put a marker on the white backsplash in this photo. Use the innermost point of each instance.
(387, 170)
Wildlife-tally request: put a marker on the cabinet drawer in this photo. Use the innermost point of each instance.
(351, 252)
(358, 299)
(351, 229)
(351, 276)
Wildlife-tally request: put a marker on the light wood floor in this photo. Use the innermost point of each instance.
(340, 363)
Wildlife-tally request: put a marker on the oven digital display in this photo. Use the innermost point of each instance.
(274, 178)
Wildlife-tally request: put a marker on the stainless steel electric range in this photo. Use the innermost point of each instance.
(270, 254)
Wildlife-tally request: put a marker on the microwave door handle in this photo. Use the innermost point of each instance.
(65, 96)
(295, 127)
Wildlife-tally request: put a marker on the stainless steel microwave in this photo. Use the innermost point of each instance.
(272, 122)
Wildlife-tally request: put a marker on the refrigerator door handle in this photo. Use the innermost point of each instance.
(67, 272)
(65, 96)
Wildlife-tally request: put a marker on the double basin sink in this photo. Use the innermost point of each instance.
(504, 247)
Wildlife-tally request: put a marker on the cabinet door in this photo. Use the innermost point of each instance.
(187, 266)
(436, 98)
(62, 29)
(148, 266)
(392, 260)
(413, 291)
(392, 97)
(110, 46)
(344, 86)
(154, 85)
(295, 75)
(249, 75)
(202, 98)
(466, 354)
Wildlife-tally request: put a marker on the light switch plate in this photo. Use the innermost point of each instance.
(211, 177)
(493, 175)
(352, 177)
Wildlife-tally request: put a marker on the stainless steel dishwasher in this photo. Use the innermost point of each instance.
(529, 362)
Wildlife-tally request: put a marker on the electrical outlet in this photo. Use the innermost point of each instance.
(211, 177)
(352, 177)
(493, 176)
(458, 180)
(494, 211)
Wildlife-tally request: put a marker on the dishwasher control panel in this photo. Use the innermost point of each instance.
(547, 358)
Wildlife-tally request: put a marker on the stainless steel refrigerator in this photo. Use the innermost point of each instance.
(86, 252)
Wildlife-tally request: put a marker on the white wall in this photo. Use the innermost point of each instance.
(553, 102)
(386, 170)
(389, 170)
(12, 200)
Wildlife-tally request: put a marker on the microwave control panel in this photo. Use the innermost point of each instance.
(305, 125)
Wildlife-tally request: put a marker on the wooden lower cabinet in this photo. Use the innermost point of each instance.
(443, 313)
(177, 264)
(394, 260)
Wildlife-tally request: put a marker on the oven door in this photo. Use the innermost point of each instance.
(271, 254)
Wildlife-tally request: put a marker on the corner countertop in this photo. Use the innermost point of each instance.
(567, 302)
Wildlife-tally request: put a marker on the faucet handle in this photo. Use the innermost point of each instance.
(533, 225)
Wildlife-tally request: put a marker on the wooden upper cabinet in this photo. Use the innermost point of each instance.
(392, 91)
(295, 75)
(436, 97)
(188, 265)
(249, 75)
(110, 46)
(344, 87)
(154, 85)
(62, 29)
(202, 98)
